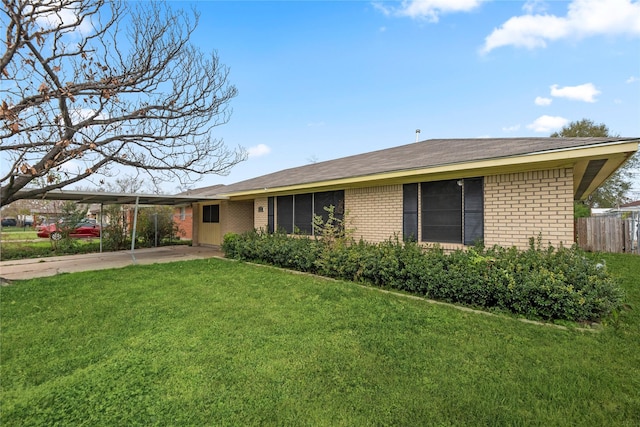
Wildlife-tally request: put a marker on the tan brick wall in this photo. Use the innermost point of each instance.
(516, 207)
(374, 212)
(523, 205)
(236, 217)
(261, 219)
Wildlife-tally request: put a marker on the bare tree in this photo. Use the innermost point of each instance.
(91, 86)
(125, 184)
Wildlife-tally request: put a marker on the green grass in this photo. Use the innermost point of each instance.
(18, 233)
(43, 248)
(15, 243)
(213, 342)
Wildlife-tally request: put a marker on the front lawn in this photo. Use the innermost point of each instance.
(16, 243)
(40, 248)
(18, 233)
(214, 342)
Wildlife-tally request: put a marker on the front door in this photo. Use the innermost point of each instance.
(209, 231)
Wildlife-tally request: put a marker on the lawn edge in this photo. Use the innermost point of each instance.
(595, 327)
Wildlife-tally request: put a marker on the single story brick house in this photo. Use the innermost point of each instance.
(453, 192)
(183, 215)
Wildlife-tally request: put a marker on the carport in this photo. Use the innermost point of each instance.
(106, 198)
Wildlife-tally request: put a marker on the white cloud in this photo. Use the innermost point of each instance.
(72, 167)
(528, 31)
(547, 123)
(79, 114)
(429, 9)
(533, 6)
(632, 79)
(382, 8)
(64, 16)
(513, 128)
(584, 18)
(585, 92)
(543, 101)
(259, 150)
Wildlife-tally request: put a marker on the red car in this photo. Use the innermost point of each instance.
(81, 229)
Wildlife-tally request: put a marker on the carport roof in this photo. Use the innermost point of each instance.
(124, 198)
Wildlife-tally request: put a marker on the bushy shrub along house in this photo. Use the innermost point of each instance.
(453, 192)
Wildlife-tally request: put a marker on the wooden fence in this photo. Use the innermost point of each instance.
(607, 234)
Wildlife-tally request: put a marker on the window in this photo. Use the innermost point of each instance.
(303, 213)
(326, 199)
(270, 214)
(473, 211)
(211, 214)
(294, 214)
(442, 211)
(183, 213)
(452, 211)
(410, 212)
(284, 205)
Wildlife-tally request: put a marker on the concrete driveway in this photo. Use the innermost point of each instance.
(50, 266)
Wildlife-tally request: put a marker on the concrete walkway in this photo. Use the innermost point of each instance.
(50, 266)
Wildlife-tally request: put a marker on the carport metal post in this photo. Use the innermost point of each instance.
(155, 222)
(101, 205)
(133, 232)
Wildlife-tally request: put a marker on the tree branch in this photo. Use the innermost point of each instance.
(82, 95)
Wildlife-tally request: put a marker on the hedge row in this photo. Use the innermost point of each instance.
(537, 283)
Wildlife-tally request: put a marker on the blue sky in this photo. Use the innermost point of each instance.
(319, 80)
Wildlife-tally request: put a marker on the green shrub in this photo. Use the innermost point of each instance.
(71, 215)
(278, 249)
(25, 250)
(155, 225)
(114, 233)
(550, 283)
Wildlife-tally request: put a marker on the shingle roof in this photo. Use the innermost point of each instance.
(211, 190)
(419, 155)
